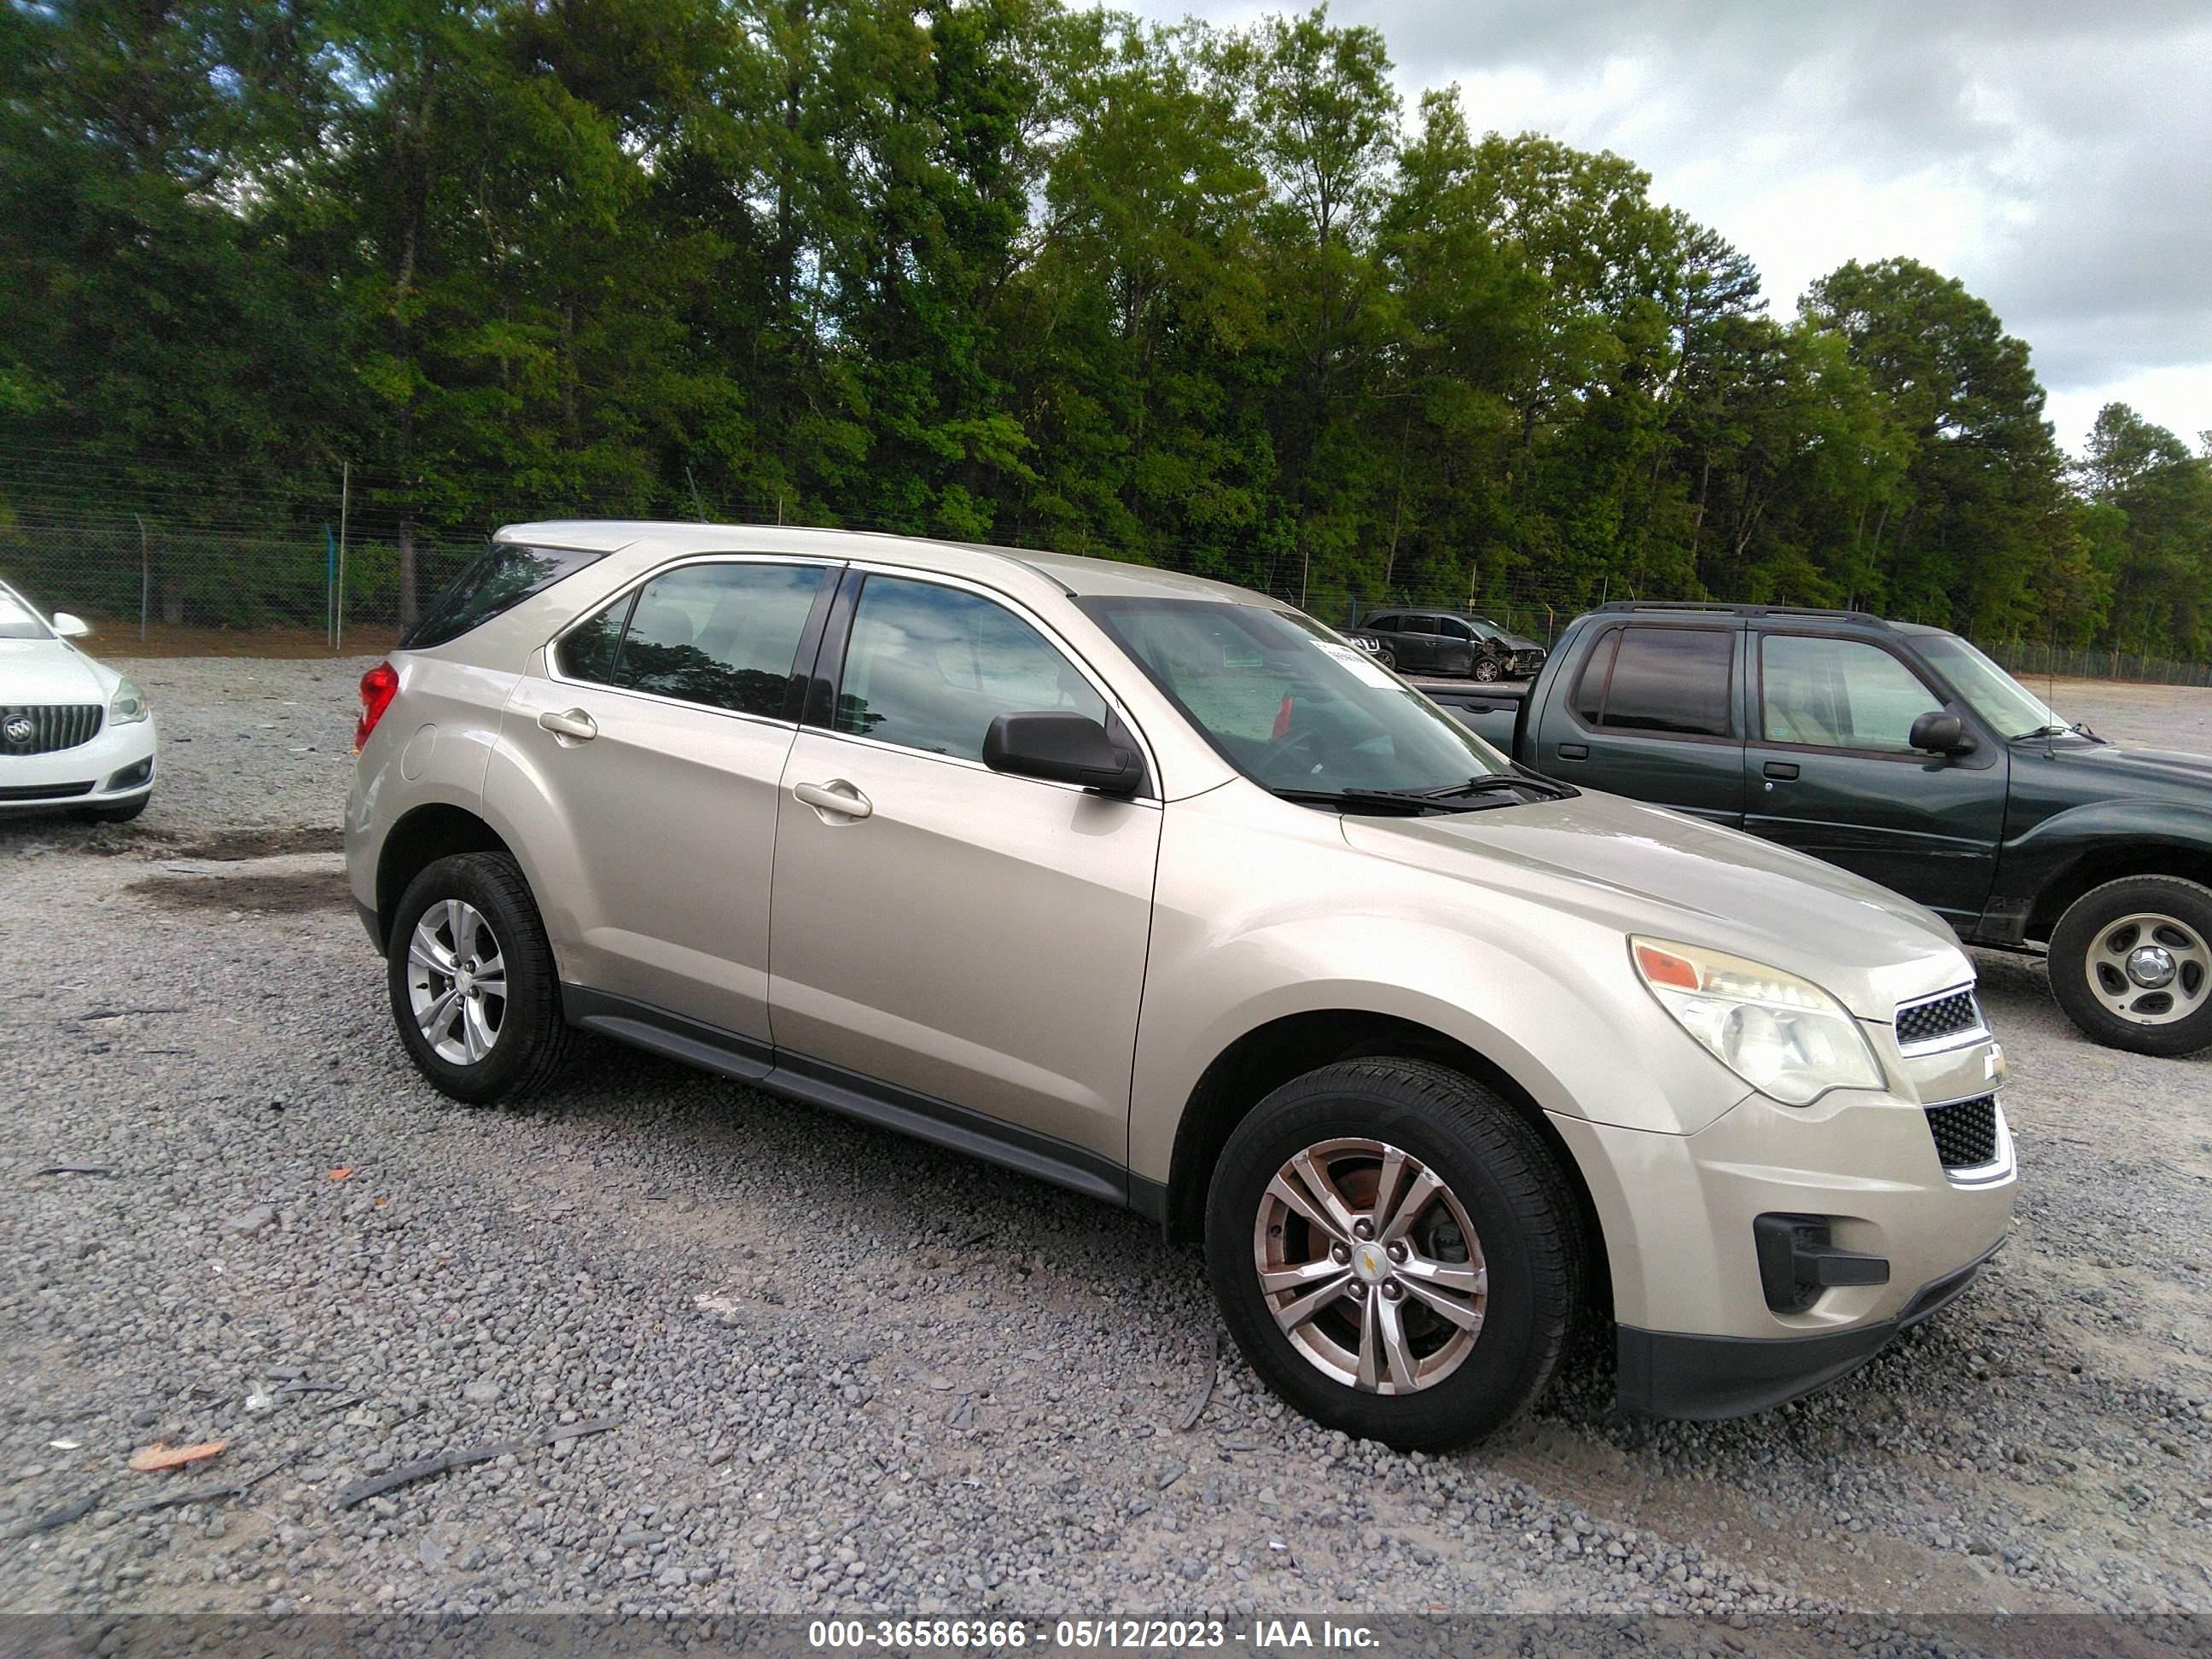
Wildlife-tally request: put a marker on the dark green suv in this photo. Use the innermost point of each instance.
(1901, 752)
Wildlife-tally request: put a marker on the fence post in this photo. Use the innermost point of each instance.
(145, 578)
(329, 587)
(345, 500)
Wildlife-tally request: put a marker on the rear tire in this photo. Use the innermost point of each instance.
(1391, 1356)
(2157, 1003)
(465, 924)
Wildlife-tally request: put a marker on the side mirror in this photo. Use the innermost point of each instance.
(70, 628)
(1062, 747)
(1941, 732)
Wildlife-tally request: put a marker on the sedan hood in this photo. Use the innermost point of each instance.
(1644, 869)
(48, 671)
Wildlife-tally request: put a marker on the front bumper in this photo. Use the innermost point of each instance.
(1670, 1374)
(105, 772)
(1703, 1332)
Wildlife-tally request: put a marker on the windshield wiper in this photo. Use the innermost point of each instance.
(1545, 789)
(1407, 802)
(2061, 729)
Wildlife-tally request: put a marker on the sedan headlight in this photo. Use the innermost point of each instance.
(1785, 1036)
(128, 706)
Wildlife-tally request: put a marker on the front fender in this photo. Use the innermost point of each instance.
(2052, 847)
(1546, 996)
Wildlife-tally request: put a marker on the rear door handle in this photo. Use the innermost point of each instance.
(1780, 768)
(569, 723)
(1574, 751)
(836, 796)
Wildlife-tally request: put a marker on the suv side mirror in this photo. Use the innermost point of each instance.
(1062, 747)
(68, 626)
(1939, 731)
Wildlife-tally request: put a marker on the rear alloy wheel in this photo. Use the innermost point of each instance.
(2131, 964)
(1395, 1251)
(475, 995)
(1486, 669)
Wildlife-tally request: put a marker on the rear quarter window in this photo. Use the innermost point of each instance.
(493, 583)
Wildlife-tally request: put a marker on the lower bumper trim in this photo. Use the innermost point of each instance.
(1672, 1373)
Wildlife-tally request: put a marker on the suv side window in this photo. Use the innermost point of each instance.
(931, 667)
(1386, 623)
(1838, 694)
(1452, 628)
(1418, 625)
(723, 636)
(1674, 681)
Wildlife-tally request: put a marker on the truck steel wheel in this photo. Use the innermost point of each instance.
(1395, 1252)
(475, 995)
(2131, 964)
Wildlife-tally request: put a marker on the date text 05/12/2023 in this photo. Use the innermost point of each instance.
(1089, 1635)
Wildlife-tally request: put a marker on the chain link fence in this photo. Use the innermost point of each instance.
(186, 569)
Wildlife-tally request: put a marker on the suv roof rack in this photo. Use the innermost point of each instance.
(1866, 618)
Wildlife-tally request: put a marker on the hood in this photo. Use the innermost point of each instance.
(1644, 869)
(1520, 642)
(2119, 770)
(50, 671)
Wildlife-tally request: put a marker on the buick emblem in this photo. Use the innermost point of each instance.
(19, 729)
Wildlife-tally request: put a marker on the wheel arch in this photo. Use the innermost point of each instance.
(1271, 1054)
(435, 831)
(2111, 862)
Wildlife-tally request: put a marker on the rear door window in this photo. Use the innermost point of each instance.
(1674, 682)
(723, 636)
(493, 583)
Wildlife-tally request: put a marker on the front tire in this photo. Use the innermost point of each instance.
(474, 993)
(1387, 659)
(120, 814)
(1486, 670)
(1395, 1252)
(2131, 964)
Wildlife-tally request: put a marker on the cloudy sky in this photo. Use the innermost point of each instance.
(2056, 157)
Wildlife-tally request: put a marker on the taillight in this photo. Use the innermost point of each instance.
(378, 687)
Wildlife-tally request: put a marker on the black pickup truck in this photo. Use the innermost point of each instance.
(1902, 752)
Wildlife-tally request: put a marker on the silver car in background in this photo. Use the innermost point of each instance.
(1156, 888)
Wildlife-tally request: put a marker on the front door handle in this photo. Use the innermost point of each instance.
(836, 796)
(569, 723)
(1784, 769)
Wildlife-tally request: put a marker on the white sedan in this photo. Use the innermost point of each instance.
(72, 733)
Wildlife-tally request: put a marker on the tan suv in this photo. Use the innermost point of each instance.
(1156, 888)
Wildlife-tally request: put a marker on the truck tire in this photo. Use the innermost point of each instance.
(1395, 1252)
(464, 926)
(2131, 964)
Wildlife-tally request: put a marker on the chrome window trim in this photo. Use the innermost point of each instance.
(629, 588)
(1053, 637)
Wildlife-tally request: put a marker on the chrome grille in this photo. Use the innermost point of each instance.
(1948, 1014)
(1965, 1132)
(41, 728)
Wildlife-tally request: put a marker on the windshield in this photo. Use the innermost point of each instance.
(1289, 704)
(1993, 695)
(17, 620)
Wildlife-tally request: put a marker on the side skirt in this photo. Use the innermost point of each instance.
(798, 1077)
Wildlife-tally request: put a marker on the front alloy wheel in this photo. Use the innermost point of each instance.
(1395, 1251)
(2131, 964)
(1486, 669)
(1370, 1265)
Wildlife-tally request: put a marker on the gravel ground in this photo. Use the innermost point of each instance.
(855, 1373)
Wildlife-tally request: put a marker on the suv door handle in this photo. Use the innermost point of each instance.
(570, 723)
(835, 796)
(1780, 768)
(1574, 751)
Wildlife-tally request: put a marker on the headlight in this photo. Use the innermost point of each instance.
(128, 706)
(1783, 1036)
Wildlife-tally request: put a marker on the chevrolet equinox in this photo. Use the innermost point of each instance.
(1156, 889)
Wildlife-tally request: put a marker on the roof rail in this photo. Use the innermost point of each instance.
(1864, 617)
